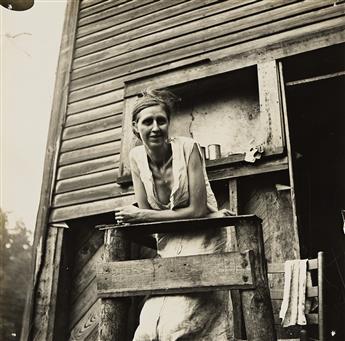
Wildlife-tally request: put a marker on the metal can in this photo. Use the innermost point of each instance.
(214, 151)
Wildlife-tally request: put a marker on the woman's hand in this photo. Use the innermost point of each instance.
(221, 213)
(128, 214)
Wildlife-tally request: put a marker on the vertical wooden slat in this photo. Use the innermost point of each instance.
(320, 278)
(257, 308)
(235, 294)
(114, 312)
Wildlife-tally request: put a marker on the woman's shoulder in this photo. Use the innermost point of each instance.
(136, 152)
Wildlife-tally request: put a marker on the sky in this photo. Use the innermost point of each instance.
(29, 50)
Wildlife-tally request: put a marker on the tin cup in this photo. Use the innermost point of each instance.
(214, 151)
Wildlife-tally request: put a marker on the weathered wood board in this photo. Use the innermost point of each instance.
(175, 275)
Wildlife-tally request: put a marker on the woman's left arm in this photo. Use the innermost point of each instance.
(197, 198)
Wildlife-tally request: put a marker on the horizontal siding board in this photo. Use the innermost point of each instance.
(95, 102)
(89, 3)
(96, 126)
(112, 11)
(91, 140)
(99, 7)
(94, 114)
(168, 18)
(117, 29)
(220, 42)
(89, 153)
(87, 209)
(88, 167)
(234, 30)
(287, 43)
(89, 194)
(126, 17)
(87, 325)
(169, 33)
(85, 181)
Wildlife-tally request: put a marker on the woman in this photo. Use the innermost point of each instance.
(170, 182)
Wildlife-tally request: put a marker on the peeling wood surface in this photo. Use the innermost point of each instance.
(175, 275)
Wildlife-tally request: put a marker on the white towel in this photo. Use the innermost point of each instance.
(292, 310)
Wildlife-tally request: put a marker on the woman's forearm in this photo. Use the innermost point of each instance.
(149, 215)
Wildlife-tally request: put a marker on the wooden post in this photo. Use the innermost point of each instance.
(236, 305)
(257, 308)
(114, 312)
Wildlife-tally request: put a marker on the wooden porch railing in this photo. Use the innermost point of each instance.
(119, 278)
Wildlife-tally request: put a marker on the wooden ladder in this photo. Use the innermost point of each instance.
(119, 278)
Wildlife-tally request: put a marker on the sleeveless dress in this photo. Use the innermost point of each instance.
(194, 317)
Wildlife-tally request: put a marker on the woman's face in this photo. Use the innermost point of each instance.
(152, 125)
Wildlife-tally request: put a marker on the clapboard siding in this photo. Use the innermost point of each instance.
(119, 41)
(169, 35)
(112, 11)
(94, 114)
(99, 7)
(91, 140)
(95, 102)
(89, 194)
(165, 19)
(89, 153)
(88, 167)
(95, 126)
(215, 39)
(86, 181)
(150, 8)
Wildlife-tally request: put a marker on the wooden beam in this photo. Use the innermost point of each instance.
(256, 303)
(114, 312)
(55, 128)
(175, 275)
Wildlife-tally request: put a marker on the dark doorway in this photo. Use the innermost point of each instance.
(315, 88)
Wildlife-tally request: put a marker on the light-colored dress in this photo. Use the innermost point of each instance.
(199, 316)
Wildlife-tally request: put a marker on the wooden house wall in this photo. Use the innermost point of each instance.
(120, 41)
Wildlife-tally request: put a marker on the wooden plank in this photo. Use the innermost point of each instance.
(86, 181)
(90, 194)
(86, 275)
(170, 18)
(87, 251)
(89, 153)
(242, 170)
(87, 324)
(45, 304)
(91, 140)
(92, 127)
(112, 11)
(94, 114)
(88, 3)
(95, 102)
(246, 54)
(316, 79)
(88, 209)
(114, 312)
(237, 28)
(185, 224)
(83, 305)
(175, 275)
(126, 17)
(211, 47)
(88, 167)
(29, 328)
(257, 307)
(98, 7)
(270, 105)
